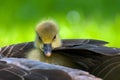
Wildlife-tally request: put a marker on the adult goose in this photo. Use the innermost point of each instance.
(86, 54)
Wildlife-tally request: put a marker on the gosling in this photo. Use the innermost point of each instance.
(47, 37)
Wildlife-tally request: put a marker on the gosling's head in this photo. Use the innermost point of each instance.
(47, 37)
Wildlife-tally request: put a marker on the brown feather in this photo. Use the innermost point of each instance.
(24, 69)
(84, 54)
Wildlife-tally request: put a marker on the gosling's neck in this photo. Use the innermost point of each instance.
(55, 58)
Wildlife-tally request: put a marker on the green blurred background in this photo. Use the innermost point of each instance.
(96, 19)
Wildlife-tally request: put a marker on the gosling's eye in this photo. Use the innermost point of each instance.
(54, 37)
(39, 38)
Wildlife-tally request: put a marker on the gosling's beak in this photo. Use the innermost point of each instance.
(47, 50)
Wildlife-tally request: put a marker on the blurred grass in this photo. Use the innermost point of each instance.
(96, 19)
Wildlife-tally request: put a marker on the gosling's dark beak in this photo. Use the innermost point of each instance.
(47, 50)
